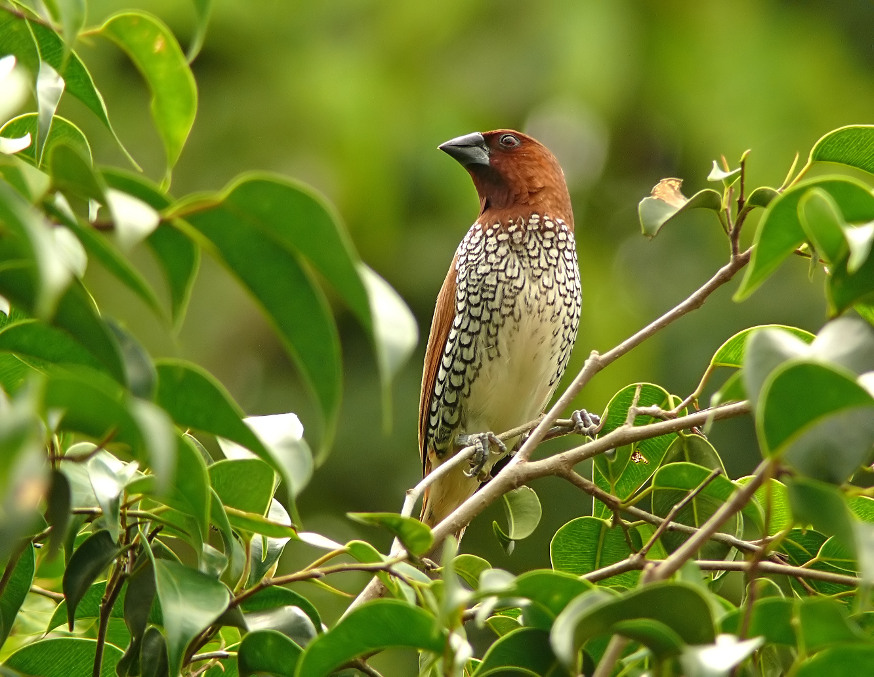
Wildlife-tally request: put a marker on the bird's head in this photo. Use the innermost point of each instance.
(515, 176)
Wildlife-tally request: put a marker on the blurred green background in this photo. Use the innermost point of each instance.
(353, 97)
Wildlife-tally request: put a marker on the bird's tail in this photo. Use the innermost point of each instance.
(443, 496)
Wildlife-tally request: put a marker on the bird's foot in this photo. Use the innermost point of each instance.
(482, 443)
(585, 423)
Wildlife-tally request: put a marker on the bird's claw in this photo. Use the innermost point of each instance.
(482, 443)
(585, 423)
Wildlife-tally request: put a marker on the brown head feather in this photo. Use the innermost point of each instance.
(522, 177)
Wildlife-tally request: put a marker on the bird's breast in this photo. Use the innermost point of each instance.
(517, 308)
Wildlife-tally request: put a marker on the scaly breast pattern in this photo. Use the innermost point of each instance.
(517, 309)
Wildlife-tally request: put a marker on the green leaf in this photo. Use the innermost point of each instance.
(771, 618)
(155, 52)
(17, 586)
(58, 513)
(258, 524)
(672, 483)
(852, 145)
(100, 249)
(586, 544)
(551, 590)
(62, 131)
(196, 400)
(864, 545)
(469, 568)
(848, 342)
(72, 173)
(282, 436)
(88, 561)
(267, 651)
(188, 491)
(139, 598)
(275, 596)
(631, 466)
(154, 658)
(202, 10)
(41, 345)
(88, 607)
(190, 602)
(655, 211)
(823, 224)
(372, 627)
(415, 536)
(265, 551)
(39, 283)
(523, 511)
(524, 651)
(837, 660)
(693, 449)
(263, 223)
(821, 506)
(176, 254)
(244, 484)
(253, 257)
(781, 515)
(848, 286)
(290, 620)
(766, 349)
(661, 612)
(761, 197)
(780, 232)
(77, 79)
(823, 623)
(817, 418)
(179, 258)
(62, 657)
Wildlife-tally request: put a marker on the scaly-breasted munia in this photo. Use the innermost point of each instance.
(506, 316)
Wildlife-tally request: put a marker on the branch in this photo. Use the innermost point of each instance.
(516, 474)
(737, 501)
(311, 574)
(615, 504)
(669, 518)
(640, 564)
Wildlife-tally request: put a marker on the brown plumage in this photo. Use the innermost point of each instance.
(506, 316)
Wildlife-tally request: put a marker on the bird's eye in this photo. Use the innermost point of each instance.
(509, 141)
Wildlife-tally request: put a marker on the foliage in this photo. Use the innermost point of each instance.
(143, 514)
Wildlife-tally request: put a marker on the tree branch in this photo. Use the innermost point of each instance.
(516, 474)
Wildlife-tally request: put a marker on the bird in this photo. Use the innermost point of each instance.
(506, 317)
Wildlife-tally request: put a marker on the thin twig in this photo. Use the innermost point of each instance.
(310, 574)
(774, 568)
(615, 504)
(672, 514)
(212, 655)
(738, 500)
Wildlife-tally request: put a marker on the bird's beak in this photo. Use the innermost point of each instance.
(470, 149)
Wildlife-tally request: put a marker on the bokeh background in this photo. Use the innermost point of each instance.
(353, 97)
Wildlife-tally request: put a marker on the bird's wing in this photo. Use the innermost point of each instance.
(444, 313)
